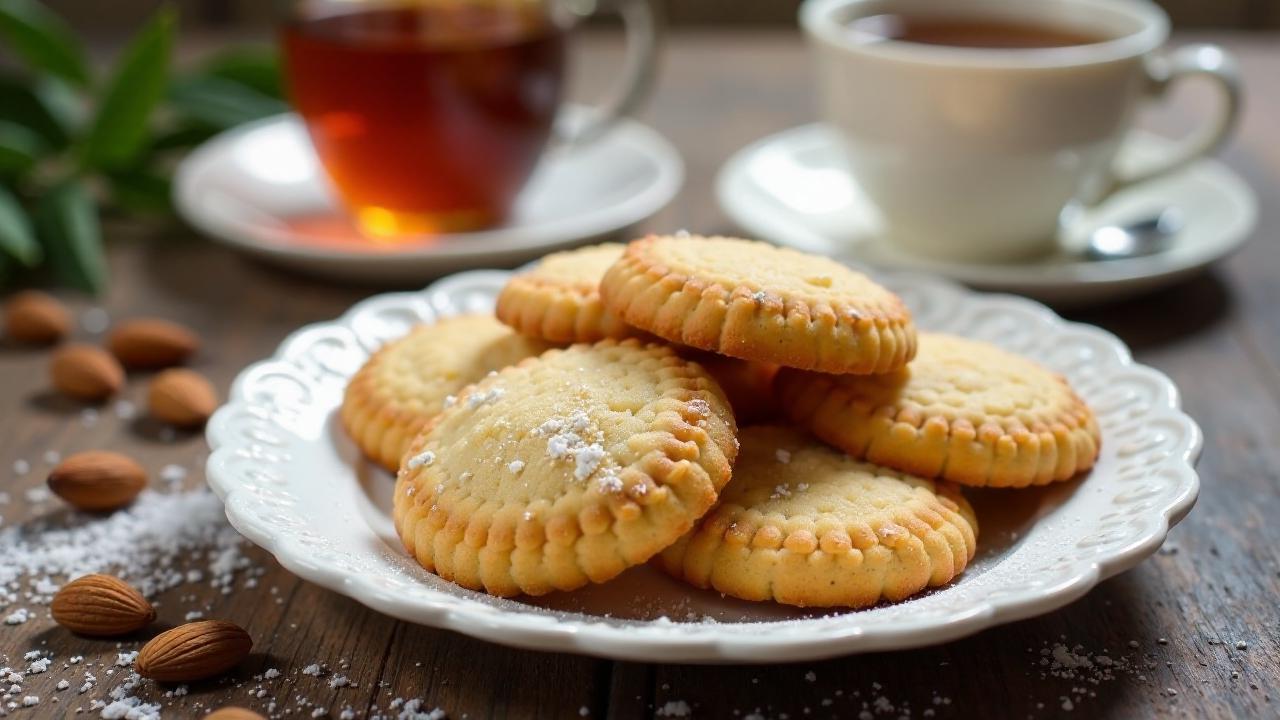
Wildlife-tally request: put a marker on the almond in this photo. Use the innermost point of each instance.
(101, 606)
(181, 397)
(194, 651)
(85, 372)
(36, 318)
(152, 343)
(233, 713)
(98, 480)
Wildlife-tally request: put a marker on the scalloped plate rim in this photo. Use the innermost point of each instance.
(532, 630)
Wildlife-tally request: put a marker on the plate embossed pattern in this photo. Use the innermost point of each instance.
(289, 483)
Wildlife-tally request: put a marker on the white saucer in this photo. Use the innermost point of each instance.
(792, 188)
(242, 186)
(294, 484)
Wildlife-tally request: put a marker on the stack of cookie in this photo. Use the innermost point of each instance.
(765, 423)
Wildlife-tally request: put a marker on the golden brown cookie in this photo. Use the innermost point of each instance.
(963, 410)
(565, 469)
(559, 299)
(748, 385)
(407, 382)
(758, 302)
(804, 524)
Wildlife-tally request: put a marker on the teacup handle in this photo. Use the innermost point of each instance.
(641, 23)
(1208, 61)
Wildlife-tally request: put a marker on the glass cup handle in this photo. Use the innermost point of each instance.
(641, 23)
(1202, 60)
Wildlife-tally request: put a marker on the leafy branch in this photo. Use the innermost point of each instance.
(74, 146)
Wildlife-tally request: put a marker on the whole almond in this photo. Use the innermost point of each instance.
(181, 397)
(194, 651)
(233, 713)
(98, 480)
(148, 343)
(85, 372)
(36, 318)
(101, 606)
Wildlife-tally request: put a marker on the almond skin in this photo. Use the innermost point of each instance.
(98, 480)
(233, 713)
(181, 397)
(35, 318)
(85, 372)
(150, 343)
(194, 651)
(101, 606)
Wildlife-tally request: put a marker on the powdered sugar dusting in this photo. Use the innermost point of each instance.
(571, 438)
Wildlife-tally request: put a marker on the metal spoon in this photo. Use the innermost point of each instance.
(1135, 239)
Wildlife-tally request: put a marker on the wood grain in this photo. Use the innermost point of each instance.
(1174, 622)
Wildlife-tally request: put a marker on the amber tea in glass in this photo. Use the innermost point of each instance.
(428, 116)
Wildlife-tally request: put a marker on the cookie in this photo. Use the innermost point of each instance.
(803, 524)
(963, 410)
(406, 382)
(748, 385)
(559, 299)
(565, 469)
(754, 301)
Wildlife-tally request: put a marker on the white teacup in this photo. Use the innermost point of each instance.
(973, 153)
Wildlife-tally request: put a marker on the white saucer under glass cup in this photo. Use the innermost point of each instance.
(976, 127)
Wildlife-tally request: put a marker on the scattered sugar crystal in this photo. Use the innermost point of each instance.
(700, 407)
(450, 400)
(38, 666)
(21, 467)
(339, 681)
(587, 460)
(347, 714)
(173, 474)
(30, 701)
(784, 456)
(37, 494)
(193, 615)
(63, 685)
(492, 395)
(584, 711)
(95, 320)
(33, 655)
(674, 708)
(425, 457)
(52, 457)
(271, 674)
(1242, 645)
(412, 710)
(125, 410)
(515, 466)
(610, 483)
(17, 617)
(313, 670)
(760, 296)
(125, 659)
(811, 676)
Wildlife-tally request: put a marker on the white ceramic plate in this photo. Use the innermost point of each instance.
(245, 186)
(294, 484)
(793, 188)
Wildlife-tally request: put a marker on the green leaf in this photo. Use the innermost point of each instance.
(67, 223)
(43, 40)
(254, 67)
(38, 106)
(20, 148)
(140, 190)
(17, 239)
(119, 128)
(220, 103)
(182, 137)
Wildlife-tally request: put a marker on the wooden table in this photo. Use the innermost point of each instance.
(1199, 628)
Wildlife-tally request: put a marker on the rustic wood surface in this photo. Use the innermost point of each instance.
(1197, 626)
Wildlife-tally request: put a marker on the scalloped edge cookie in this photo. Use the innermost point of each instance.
(1023, 441)
(382, 414)
(792, 319)
(494, 500)
(779, 532)
(558, 300)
